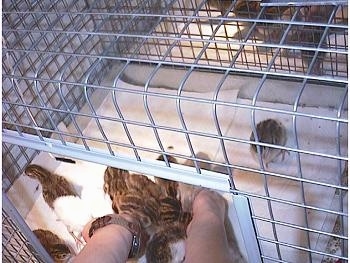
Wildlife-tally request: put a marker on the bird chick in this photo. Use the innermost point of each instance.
(138, 196)
(60, 195)
(167, 245)
(115, 181)
(53, 185)
(272, 132)
(170, 158)
(221, 5)
(304, 35)
(134, 194)
(118, 181)
(171, 211)
(54, 246)
(146, 209)
(169, 187)
(142, 184)
(297, 35)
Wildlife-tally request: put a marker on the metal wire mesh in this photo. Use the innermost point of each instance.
(62, 64)
(14, 159)
(15, 245)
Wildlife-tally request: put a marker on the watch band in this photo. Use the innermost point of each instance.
(134, 228)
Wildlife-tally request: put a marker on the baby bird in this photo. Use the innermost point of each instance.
(273, 132)
(177, 190)
(245, 9)
(220, 5)
(54, 186)
(115, 181)
(166, 242)
(167, 245)
(56, 247)
(140, 197)
(169, 187)
(146, 209)
(59, 194)
(171, 211)
(133, 194)
(118, 181)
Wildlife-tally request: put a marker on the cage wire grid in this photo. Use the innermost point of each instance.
(62, 66)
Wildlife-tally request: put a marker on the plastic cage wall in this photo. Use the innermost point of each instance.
(122, 82)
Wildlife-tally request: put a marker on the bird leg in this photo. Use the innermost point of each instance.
(284, 154)
(78, 242)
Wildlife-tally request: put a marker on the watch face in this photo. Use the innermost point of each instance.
(135, 246)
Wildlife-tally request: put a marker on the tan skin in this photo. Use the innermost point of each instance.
(110, 244)
(206, 232)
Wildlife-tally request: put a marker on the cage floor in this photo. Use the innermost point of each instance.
(235, 122)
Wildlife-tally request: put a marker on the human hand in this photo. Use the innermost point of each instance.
(207, 230)
(85, 232)
(209, 202)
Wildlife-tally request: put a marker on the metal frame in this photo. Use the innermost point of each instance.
(18, 239)
(55, 63)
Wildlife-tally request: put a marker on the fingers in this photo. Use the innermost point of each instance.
(209, 201)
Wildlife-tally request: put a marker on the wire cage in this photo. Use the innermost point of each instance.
(121, 82)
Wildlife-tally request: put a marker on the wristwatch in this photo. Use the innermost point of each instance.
(133, 227)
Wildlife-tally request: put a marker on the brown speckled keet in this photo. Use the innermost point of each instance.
(169, 187)
(167, 245)
(269, 131)
(55, 246)
(53, 185)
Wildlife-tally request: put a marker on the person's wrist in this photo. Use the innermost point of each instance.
(124, 224)
(113, 229)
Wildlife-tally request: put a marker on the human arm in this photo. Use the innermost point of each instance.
(109, 244)
(206, 235)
